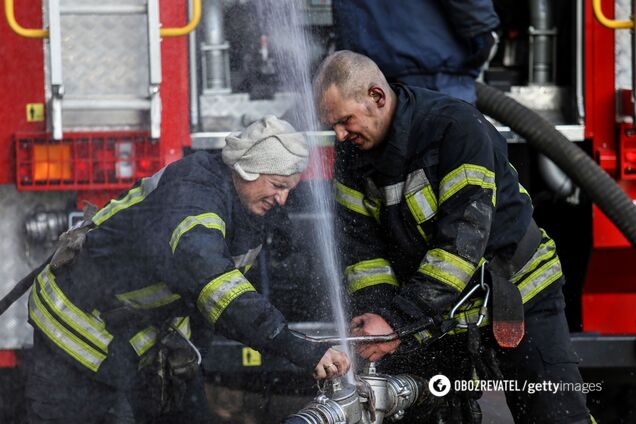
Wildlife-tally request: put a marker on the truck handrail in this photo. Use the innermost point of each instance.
(19, 29)
(9, 12)
(609, 23)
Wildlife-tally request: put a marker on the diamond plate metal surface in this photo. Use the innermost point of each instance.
(105, 57)
(18, 258)
(622, 46)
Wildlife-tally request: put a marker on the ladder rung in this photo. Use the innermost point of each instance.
(104, 9)
(105, 104)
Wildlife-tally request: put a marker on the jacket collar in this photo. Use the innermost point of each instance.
(390, 157)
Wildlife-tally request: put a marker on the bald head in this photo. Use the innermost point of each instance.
(353, 97)
(352, 73)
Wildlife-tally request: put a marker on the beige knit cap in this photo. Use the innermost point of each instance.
(268, 146)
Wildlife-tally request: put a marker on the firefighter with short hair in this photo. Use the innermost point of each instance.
(113, 319)
(425, 199)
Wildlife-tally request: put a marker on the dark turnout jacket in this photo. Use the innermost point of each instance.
(175, 245)
(420, 213)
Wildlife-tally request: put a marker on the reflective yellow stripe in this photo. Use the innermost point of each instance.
(62, 337)
(540, 279)
(420, 197)
(183, 324)
(369, 273)
(523, 190)
(147, 338)
(351, 199)
(149, 297)
(447, 268)
(85, 324)
(144, 340)
(248, 258)
(208, 220)
(133, 197)
(467, 175)
(220, 292)
(544, 252)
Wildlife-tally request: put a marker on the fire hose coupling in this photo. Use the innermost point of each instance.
(373, 398)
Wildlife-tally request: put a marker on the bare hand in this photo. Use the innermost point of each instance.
(332, 364)
(373, 325)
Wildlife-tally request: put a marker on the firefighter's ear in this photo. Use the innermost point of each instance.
(378, 95)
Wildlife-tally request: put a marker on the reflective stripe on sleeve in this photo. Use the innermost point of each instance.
(351, 199)
(78, 349)
(220, 292)
(149, 297)
(208, 220)
(85, 324)
(466, 175)
(369, 273)
(247, 259)
(447, 268)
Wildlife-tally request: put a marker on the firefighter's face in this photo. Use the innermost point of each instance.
(361, 121)
(265, 192)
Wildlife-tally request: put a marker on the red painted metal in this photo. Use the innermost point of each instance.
(8, 359)
(175, 116)
(21, 81)
(320, 166)
(608, 303)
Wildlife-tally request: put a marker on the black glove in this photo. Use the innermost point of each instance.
(483, 48)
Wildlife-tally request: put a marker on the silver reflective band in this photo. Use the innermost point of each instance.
(144, 340)
(247, 258)
(149, 297)
(392, 194)
(62, 337)
(220, 292)
(207, 220)
(369, 273)
(86, 325)
(447, 268)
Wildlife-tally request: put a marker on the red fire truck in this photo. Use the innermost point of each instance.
(98, 94)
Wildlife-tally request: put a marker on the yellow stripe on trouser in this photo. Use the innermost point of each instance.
(448, 268)
(466, 175)
(207, 220)
(220, 292)
(369, 273)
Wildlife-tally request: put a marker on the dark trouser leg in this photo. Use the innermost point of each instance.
(545, 355)
(57, 392)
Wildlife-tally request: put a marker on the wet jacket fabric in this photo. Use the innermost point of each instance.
(175, 246)
(420, 213)
(426, 41)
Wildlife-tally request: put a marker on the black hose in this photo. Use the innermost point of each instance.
(542, 135)
(21, 287)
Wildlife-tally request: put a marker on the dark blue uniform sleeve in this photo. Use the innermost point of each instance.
(467, 199)
(369, 277)
(201, 269)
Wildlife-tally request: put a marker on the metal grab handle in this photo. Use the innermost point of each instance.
(609, 23)
(19, 29)
(9, 12)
